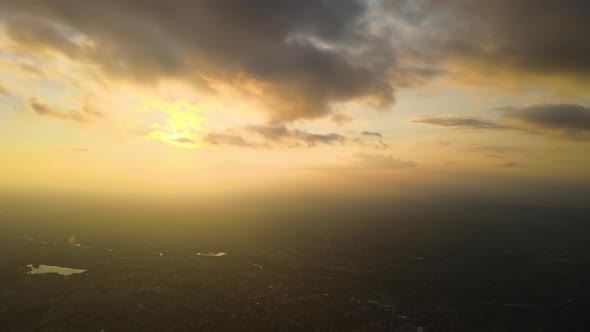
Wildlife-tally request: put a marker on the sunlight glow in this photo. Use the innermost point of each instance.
(183, 126)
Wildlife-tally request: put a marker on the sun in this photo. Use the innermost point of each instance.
(184, 126)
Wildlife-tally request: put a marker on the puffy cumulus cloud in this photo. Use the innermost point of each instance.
(567, 121)
(86, 114)
(372, 160)
(459, 122)
(300, 57)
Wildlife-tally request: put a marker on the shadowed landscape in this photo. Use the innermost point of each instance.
(294, 263)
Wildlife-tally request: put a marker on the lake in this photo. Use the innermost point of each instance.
(42, 269)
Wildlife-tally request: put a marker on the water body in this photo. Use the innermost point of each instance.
(42, 269)
(211, 254)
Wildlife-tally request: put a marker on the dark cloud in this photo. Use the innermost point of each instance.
(284, 134)
(568, 121)
(270, 136)
(544, 36)
(372, 133)
(306, 54)
(273, 133)
(40, 33)
(382, 161)
(569, 117)
(86, 114)
(459, 122)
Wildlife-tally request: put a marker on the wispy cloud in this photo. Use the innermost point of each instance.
(372, 160)
(228, 139)
(31, 69)
(566, 121)
(295, 136)
(83, 115)
(4, 90)
(501, 149)
(510, 164)
(372, 133)
(340, 118)
(458, 122)
(271, 136)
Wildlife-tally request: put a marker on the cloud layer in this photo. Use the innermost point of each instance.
(301, 55)
(281, 136)
(300, 58)
(544, 36)
(568, 121)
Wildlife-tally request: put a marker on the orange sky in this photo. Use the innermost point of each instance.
(352, 95)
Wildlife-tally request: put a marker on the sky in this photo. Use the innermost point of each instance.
(367, 96)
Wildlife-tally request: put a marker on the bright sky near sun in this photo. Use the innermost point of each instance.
(239, 94)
